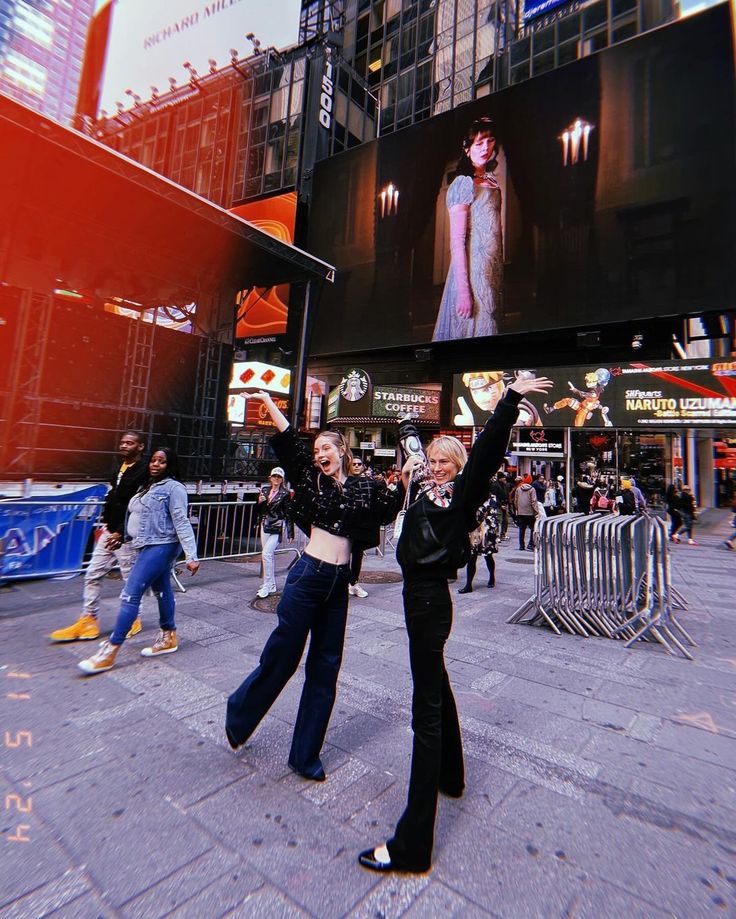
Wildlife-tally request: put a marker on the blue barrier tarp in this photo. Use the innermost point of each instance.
(45, 536)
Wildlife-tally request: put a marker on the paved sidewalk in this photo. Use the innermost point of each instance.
(601, 781)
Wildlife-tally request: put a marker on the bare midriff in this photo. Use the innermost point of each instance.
(328, 548)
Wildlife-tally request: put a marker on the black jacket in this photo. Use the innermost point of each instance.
(274, 512)
(442, 532)
(356, 511)
(116, 501)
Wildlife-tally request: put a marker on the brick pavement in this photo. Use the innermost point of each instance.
(601, 781)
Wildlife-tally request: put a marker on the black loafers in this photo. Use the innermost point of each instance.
(317, 777)
(231, 740)
(368, 860)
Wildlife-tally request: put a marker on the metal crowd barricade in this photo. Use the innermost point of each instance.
(605, 575)
(42, 538)
(230, 529)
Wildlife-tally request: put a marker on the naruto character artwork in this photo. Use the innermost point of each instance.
(485, 390)
(585, 403)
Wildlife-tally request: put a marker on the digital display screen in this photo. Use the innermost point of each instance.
(601, 191)
(638, 394)
(263, 312)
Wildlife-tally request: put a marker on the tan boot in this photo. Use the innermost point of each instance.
(165, 644)
(85, 628)
(135, 628)
(103, 660)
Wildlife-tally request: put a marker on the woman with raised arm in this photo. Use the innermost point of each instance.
(338, 511)
(445, 489)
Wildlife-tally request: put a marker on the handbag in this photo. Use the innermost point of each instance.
(399, 522)
(421, 547)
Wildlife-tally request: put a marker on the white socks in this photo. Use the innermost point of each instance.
(380, 853)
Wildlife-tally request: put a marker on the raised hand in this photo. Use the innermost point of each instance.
(534, 384)
(278, 418)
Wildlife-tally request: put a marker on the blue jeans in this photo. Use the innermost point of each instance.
(314, 600)
(152, 569)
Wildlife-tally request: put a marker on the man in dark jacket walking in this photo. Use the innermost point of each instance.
(110, 549)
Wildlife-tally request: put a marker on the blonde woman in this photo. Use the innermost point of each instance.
(338, 511)
(446, 488)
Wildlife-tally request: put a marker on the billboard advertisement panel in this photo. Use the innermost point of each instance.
(258, 375)
(638, 394)
(263, 312)
(149, 40)
(601, 191)
(358, 397)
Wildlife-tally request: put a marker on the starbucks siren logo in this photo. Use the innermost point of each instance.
(354, 385)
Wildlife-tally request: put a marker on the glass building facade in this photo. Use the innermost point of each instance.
(41, 50)
(248, 129)
(422, 57)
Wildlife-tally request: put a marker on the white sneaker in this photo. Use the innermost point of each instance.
(264, 592)
(355, 590)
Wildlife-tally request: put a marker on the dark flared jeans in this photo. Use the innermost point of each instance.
(437, 753)
(314, 602)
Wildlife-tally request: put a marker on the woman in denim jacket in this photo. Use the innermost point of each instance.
(158, 528)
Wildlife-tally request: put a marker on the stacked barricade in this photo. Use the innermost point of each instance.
(605, 575)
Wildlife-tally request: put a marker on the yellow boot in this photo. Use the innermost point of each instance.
(85, 628)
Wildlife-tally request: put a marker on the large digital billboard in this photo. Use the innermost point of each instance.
(149, 40)
(636, 394)
(263, 312)
(600, 191)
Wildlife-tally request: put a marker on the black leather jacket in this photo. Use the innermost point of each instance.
(434, 540)
(356, 511)
(273, 513)
(118, 498)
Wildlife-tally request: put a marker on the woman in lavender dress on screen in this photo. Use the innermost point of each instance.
(472, 294)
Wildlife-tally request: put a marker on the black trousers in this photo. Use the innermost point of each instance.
(525, 523)
(473, 567)
(676, 518)
(437, 752)
(356, 563)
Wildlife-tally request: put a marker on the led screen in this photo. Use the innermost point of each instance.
(263, 312)
(149, 40)
(601, 191)
(640, 394)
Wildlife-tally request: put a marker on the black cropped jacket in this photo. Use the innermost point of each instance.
(356, 510)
